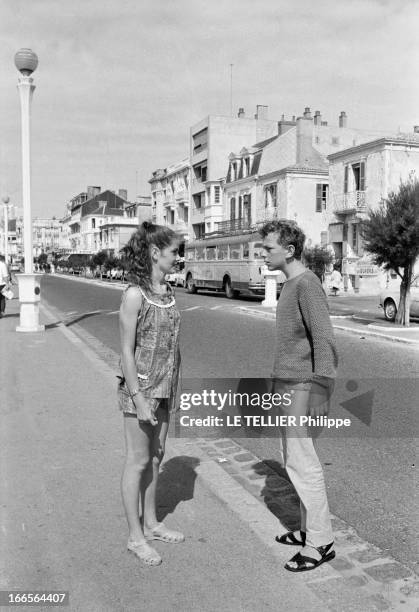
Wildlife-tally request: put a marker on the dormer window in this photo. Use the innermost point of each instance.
(246, 166)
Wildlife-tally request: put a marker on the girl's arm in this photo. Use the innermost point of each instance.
(128, 315)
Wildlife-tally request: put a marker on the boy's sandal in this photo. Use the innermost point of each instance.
(164, 534)
(305, 564)
(144, 552)
(290, 540)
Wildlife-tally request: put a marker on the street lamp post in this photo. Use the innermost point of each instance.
(6, 201)
(26, 62)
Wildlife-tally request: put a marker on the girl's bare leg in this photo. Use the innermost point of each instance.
(138, 448)
(149, 482)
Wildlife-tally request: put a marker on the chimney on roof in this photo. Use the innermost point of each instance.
(92, 191)
(317, 118)
(241, 114)
(304, 140)
(416, 129)
(123, 193)
(343, 120)
(307, 113)
(261, 112)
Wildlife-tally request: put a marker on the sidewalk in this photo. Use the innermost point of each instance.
(62, 523)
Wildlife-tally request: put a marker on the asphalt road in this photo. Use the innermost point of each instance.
(371, 473)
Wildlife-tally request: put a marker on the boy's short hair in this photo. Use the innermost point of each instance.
(288, 233)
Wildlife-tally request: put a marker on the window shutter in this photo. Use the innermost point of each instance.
(318, 197)
(362, 176)
(345, 180)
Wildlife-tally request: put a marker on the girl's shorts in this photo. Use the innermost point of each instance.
(127, 406)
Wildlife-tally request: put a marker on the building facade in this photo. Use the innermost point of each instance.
(211, 141)
(360, 178)
(286, 176)
(170, 197)
(100, 220)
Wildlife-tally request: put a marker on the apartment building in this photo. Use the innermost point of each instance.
(286, 176)
(170, 197)
(45, 235)
(97, 220)
(359, 178)
(140, 209)
(211, 141)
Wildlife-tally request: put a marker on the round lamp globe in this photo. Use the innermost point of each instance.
(26, 61)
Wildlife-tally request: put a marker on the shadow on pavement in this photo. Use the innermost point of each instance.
(279, 494)
(84, 316)
(176, 484)
(76, 320)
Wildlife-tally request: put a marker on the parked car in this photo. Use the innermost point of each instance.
(117, 273)
(390, 298)
(179, 279)
(170, 278)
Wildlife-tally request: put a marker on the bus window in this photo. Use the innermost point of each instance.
(246, 251)
(235, 251)
(200, 252)
(223, 251)
(211, 253)
(258, 250)
(190, 254)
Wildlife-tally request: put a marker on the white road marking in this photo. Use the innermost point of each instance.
(113, 312)
(215, 307)
(191, 308)
(3, 528)
(23, 527)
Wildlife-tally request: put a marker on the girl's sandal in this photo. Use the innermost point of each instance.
(144, 552)
(305, 564)
(161, 532)
(290, 540)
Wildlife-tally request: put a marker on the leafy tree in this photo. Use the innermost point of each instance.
(316, 259)
(99, 258)
(391, 235)
(110, 262)
(42, 259)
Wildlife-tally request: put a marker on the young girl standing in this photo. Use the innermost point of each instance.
(150, 360)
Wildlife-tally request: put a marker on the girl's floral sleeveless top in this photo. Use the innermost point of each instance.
(157, 352)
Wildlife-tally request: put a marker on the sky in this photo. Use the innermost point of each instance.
(120, 82)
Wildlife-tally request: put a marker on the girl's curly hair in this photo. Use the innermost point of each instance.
(136, 252)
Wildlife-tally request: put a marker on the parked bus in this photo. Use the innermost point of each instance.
(230, 263)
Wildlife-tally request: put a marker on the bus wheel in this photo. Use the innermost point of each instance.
(190, 287)
(229, 291)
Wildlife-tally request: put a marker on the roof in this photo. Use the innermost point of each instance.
(263, 143)
(407, 139)
(105, 203)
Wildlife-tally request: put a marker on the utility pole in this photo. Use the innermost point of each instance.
(231, 89)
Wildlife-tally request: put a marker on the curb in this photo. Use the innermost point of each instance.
(355, 331)
(373, 334)
(95, 281)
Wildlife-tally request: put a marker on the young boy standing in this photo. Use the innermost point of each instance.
(305, 365)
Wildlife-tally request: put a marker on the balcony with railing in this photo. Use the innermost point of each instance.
(233, 225)
(182, 196)
(353, 201)
(197, 186)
